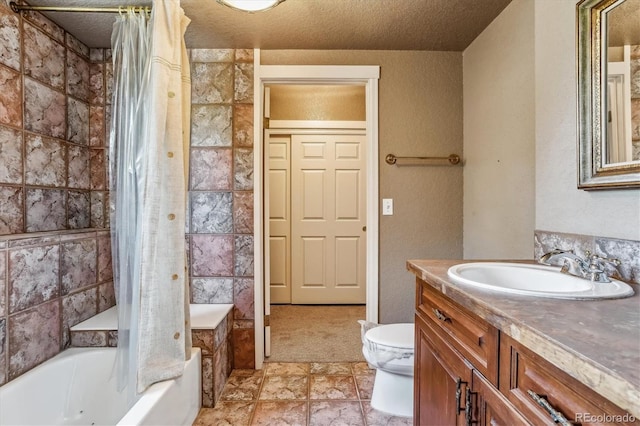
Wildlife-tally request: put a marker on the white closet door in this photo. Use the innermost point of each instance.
(280, 218)
(328, 196)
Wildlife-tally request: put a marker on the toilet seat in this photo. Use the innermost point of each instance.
(393, 336)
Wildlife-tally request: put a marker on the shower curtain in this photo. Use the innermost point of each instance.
(149, 142)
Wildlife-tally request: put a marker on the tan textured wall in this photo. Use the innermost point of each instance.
(316, 102)
(420, 113)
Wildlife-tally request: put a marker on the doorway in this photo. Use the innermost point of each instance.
(366, 76)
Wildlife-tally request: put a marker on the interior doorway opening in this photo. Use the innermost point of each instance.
(265, 76)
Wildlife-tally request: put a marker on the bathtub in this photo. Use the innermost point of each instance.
(76, 387)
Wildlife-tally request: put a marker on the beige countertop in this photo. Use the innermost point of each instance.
(597, 342)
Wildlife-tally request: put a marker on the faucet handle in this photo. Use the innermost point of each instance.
(598, 265)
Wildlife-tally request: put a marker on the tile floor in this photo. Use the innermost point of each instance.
(310, 393)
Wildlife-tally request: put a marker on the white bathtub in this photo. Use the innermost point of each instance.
(76, 387)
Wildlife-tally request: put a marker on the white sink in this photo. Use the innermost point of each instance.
(534, 280)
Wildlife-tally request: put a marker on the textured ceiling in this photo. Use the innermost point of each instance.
(308, 24)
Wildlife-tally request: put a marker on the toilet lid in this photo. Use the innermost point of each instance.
(393, 335)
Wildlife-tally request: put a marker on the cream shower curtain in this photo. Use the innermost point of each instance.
(148, 164)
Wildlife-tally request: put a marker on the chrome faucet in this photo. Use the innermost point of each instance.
(592, 267)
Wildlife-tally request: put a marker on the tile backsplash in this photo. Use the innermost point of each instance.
(627, 251)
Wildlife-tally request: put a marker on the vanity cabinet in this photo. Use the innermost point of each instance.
(469, 373)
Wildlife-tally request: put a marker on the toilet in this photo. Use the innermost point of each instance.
(389, 349)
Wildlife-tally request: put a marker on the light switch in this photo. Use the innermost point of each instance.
(387, 206)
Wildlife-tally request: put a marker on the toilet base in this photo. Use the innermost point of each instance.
(393, 394)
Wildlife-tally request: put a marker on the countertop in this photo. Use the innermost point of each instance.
(595, 341)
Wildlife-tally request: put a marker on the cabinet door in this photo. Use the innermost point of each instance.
(487, 406)
(441, 379)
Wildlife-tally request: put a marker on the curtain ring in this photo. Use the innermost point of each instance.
(120, 10)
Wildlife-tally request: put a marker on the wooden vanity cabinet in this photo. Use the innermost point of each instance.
(468, 373)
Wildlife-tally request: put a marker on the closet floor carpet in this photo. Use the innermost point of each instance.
(316, 333)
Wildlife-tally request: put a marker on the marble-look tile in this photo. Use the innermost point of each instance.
(10, 155)
(10, 97)
(211, 212)
(243, 256)
(11, 210)
(243, 125)
(212, 290)
(3, 351)
(221, 373)
(42, 22)
(242, 388)
(203, 339)
(78, 122)
(34, 337)
(45, 162)
(211, 55)
(106, 296)
(211, 125)
(635, 127)
(243, 297)
(77, 45)
(244, 55)
(243, 212)
(545, 242)
(231, 413)
(99, 213)
(78, 76)
(212, 255)
(626, 251)
(243, 169)
(79, 209)
(105, 267)
(3, 283)
(33, 276)
(98, 169)
(108, 83)
(76, 308)
(79, 173)
(283, 413)
(211, 83)
(346, 413)
(45, 109)
(46, 210)
(244, 347)
(220, 333)
(207, 382)
(96, 126)
(378, 418)
(332, 387)
(330, 368)
(78, 263)
(243, 84)
(365, 385)
(211, 169)
(287, 368)
(43, 57)
(362, 368)
(96, 83)
(96, 55)
(10, 39)
(284, 387)
(91, 338)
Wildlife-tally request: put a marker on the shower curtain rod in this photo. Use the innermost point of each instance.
(17, 8)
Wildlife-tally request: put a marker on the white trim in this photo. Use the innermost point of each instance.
(307, 74)
(316, 124)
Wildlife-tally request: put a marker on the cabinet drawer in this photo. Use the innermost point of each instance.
(473, 337)
(521, 370)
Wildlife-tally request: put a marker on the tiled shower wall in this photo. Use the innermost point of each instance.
(55, 265)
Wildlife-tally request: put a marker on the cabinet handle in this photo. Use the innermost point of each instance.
(468, 409)
(440, 315)
(556, 416)
(459, 384)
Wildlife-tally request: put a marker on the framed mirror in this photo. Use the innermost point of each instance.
(608, 94)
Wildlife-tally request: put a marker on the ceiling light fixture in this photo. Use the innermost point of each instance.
(251, 5)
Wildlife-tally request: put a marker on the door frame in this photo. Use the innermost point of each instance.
(366, 75)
